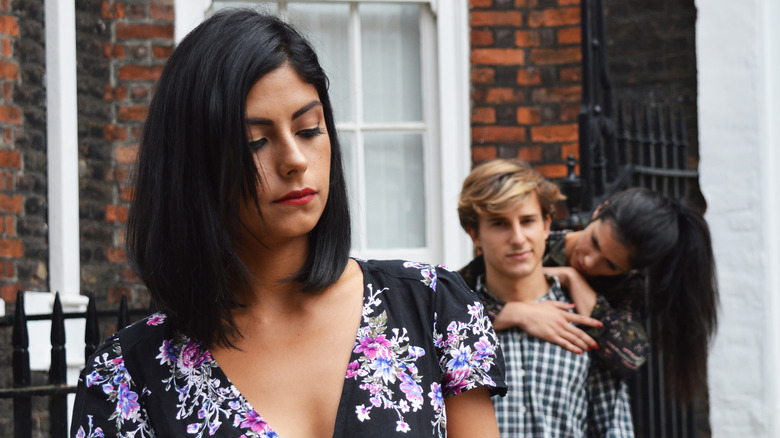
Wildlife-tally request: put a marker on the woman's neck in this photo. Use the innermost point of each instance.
(571, 239)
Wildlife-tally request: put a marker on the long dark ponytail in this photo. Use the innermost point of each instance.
(672, 241)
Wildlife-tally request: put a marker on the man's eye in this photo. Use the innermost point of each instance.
(257, 144)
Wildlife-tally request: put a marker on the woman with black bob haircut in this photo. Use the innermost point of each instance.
(240, 230)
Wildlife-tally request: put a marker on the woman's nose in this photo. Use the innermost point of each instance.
(293, 159)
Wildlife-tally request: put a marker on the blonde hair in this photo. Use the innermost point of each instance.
(498, 186)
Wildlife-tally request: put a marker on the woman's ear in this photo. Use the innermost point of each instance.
(598, 209)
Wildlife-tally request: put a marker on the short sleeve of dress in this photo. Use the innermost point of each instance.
(107, 399)
(467, 345)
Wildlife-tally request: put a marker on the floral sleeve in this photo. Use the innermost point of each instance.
(466, 344)
(107, 400)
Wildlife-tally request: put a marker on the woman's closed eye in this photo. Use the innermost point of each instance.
(313, 132)
(257, 144)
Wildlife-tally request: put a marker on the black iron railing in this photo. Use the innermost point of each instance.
(642, 145)
(57, 388)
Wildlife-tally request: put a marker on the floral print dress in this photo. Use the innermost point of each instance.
(423, 338)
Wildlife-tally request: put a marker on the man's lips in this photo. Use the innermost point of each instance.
(297, 197)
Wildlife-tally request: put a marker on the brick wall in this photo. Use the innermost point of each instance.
(525, 81)
(135, 39)
(23, 213)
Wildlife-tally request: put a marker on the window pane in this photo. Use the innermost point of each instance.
(391, 62)
(326, 26)
(347, 141)
(395, 191)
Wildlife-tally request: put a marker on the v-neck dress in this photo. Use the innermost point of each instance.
(423, 337)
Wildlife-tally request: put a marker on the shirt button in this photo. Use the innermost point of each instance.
(522, 409)
(521, 373)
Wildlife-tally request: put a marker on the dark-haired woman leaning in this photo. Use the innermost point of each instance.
(240, 230)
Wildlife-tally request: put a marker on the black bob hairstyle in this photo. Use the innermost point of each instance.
(673, 242)
(195, 168)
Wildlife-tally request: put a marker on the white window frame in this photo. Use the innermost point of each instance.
(447, 152)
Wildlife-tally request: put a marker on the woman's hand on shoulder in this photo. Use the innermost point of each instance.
(470, 414)
(582, 294)
(549, 321)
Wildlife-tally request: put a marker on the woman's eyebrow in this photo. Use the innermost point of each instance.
(296, 114)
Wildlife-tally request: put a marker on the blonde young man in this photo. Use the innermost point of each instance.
(506, 207)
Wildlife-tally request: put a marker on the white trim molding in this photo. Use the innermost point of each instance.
(62, 147)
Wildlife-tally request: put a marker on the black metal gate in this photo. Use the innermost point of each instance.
(57, 389)
(639, 145)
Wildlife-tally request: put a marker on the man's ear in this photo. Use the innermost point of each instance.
(474, 234)
(598, 209)
(547, 224)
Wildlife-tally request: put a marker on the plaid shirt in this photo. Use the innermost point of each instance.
(553, 392)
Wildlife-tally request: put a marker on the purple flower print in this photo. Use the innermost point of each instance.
(192, 357)
(374, 347)
(352, 369)
(254, 421)
(383, 367)
(484, 349)
(412, 390)
(127, 402)
(168, 352)
(401, 426)
(437, 400)
(156, 319)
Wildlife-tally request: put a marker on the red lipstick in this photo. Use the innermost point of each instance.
(297, 197)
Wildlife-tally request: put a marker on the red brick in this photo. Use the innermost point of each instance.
(483, 115)
(117, 94)
(481, 38)
(551, 171)
(571, 74)
(116, 255)
(570, 35)
(126, 154)
(483, 153)
(4, 5)
(496, 18)
(140, 72)
(530, 154)
(10, 204)
(9, 25)
(139, 92)
(556, 56)
(132, 113)
(569, 112)
(122, 174)
(10, 226)
(483, 75)
(9, 70)
(480, 3)
(116, 12)
(116, 213)
(527, 38)
(568, 2)
(144, 31)
(12, 248)
(10, 159)
(6, 47)
(554, 17)
(10, 114)
(529, 115)
(526, 3)
(161, 12)
(529, 76)
(570, 148)
(572, 93)
(8, 292)
(114, 133)
(498, 134)
(505, 95)
(162, 52)
(126, 193)
(555, 133)
(497, 57)
(8, 90)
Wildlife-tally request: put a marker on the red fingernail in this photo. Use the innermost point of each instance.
(601, 324)
(596, 347)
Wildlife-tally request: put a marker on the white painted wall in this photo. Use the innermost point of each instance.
(738, 60)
